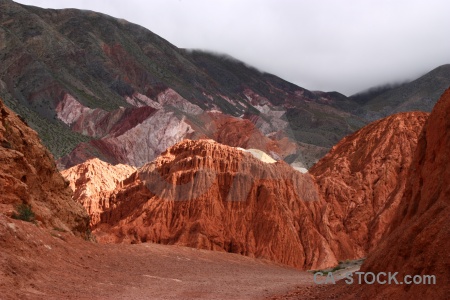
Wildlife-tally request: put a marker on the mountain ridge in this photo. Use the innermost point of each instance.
(104, 64)
(419, 94)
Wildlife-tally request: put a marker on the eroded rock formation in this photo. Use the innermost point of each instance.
(420, 237)
(206, 195)
(93, 182)
(362, 180)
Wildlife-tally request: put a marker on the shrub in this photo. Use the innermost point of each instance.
(24, 213)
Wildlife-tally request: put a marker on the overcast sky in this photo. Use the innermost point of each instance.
(329, 45)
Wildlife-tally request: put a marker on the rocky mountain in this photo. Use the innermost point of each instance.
(28, 176)
(92, 85)
(98, 87)
(418, 235)
(363, 178)
(142, 142)
(94, 180)
(188, 148)
(420, 231)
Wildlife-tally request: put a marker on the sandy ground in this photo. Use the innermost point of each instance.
(40, 263)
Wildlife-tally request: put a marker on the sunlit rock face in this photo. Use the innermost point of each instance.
(93, 181)
(363, 178)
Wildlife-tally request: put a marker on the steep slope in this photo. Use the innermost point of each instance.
(363, 178)
(94, 180)
(84, 74)
(417, 244)
(417, 241)
(133, 136)
(28, 175)
(420, 94)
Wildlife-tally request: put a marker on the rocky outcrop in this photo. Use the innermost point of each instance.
(98, 123)
(362, 180)
(93, 181)
(206, 195)
(28, 175)
(419, 240)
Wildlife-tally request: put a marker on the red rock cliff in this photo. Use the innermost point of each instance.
(362, 179)
(207, 195)
(419, 242)
(28, 175)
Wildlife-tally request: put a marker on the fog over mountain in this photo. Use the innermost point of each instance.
(347, 46)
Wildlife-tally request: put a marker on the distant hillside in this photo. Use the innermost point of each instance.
(60, 61)
(420, 94)
(367, 95)
(92, 86)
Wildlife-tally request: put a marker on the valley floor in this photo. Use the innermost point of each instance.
(49, 264)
